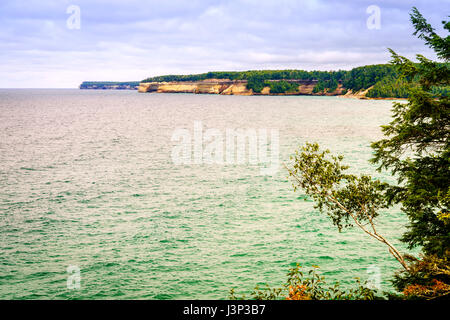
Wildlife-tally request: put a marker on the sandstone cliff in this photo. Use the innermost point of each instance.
(229, 87)
(212, 86)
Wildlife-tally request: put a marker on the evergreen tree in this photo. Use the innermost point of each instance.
(417, 150)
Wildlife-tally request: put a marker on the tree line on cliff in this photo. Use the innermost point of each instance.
(109, 85)
(384, 80)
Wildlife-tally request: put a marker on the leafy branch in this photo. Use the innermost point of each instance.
(308, 285)
(346, 198)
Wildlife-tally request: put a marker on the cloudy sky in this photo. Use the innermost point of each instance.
(121, 40)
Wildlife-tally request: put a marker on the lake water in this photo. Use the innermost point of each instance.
(87, 180)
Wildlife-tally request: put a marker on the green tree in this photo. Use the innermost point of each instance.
(416, 147)
(349, 200)
(416, 151)
(309, 285)
(281, 86)
(355, 79)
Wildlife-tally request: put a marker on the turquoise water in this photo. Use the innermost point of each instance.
(87, 179)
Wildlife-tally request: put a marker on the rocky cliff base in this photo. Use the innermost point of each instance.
(230, 87)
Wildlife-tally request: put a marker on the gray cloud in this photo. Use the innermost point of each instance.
(131, 40)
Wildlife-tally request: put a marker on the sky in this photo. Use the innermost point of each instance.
(59, 44)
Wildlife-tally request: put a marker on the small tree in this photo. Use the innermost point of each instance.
(309, 285)
(349, 200)
(416, 150)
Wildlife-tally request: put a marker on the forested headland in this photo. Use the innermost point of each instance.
(381, 80)
(103, 85)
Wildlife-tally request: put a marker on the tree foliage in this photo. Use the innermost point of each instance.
(355, 79)
(417, 150)
(364, 77)
(349, 200)
(107, 84)
(416, 147)
(390, 87)
(281, 86)
(308, 285)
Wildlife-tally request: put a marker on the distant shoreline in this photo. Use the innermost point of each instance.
(379, 81)
(226, 87)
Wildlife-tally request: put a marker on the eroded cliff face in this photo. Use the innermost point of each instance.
(227, 87)
(211, 86)
(359, 94)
